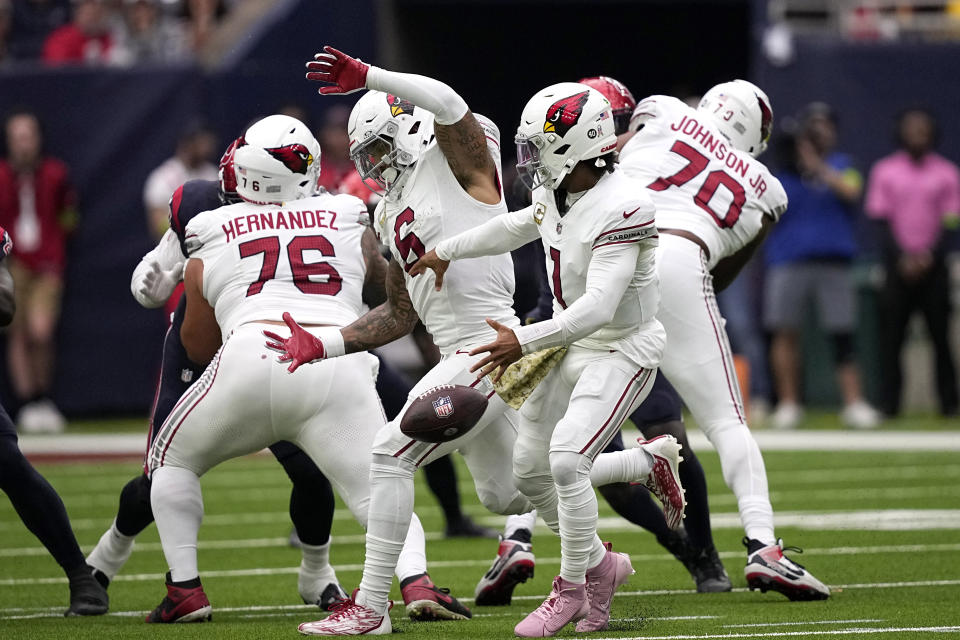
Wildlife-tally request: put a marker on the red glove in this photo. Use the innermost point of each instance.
(346, 74)
(300, 348)
(6, 243)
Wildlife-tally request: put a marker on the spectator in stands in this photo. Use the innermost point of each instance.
(86, 39)
(33, 21)
(914, 195)
(202, 16)
(335, 161)
(809, 255)
(147, 35)
(38, 206)
(192, 160)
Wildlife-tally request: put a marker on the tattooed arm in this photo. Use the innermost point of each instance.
(464, 145)
(374, 284)
(393, 319)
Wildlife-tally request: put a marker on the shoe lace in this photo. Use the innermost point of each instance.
(548, 608)
(793, 550)
(344, 608)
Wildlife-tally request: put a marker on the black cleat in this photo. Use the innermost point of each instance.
(87, 595)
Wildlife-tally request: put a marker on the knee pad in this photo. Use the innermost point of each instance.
(569, 468)
(390, 467)
(505, 503)
(137, 490)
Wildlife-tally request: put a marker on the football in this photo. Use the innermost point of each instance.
(443, 413)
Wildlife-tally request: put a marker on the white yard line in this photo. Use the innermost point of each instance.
(805, 634)
(259, 543)
(794, 624)
(133, 443)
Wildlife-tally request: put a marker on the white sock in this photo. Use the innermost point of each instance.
(413, 556)
(315, 571)
(178, 509)
(629, 465)
(523, 521)
(580, 547)
(112, 552)
(388, 522)
(756, 516)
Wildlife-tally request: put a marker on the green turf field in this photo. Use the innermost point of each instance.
(882, 528)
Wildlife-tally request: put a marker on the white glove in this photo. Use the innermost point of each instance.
(156, 285)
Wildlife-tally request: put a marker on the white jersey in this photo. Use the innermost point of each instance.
(615, 211)
(303, 256)
(433, 206)
(697, 180)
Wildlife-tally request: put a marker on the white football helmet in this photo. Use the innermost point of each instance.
(387, 136)
(742, 112)
(276, 160)
(560, 127)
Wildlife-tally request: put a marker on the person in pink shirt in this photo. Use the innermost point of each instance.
(914, 194)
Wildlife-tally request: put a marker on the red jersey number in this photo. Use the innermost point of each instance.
(270, 248)
(696, 164)
(408, 243)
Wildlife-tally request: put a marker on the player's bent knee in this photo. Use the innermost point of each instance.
(569, 468)
(505, 503)
(386, 466)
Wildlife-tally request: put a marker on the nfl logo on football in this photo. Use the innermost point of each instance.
(443, 407)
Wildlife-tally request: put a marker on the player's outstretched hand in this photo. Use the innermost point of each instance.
(430, 260)
(300, 348)
(343, 73)
(158, 284)
(504, 351)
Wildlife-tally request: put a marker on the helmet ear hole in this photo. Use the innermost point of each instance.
(415, 128)
(562, 149)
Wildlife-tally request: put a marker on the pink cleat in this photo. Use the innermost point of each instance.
(350, 619)
(602, 581)
(664, 478)
(567, 602)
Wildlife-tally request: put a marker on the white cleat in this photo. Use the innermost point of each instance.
(350, 619)
(664, 479)
(769, 570)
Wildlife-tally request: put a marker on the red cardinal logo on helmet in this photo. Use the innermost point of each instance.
(296, 157)
(565, 113)
(766, 120)
(398, 105)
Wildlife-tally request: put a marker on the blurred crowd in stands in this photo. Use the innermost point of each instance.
(899, 215)
(107, 32)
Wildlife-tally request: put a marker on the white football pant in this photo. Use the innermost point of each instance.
(699, 364)
(245, 401)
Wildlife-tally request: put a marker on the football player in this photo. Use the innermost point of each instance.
(659, 414)
(246, 261)
(598, 231)
(438, 167)
(715, 204)
(36, 502)
(311, 499)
